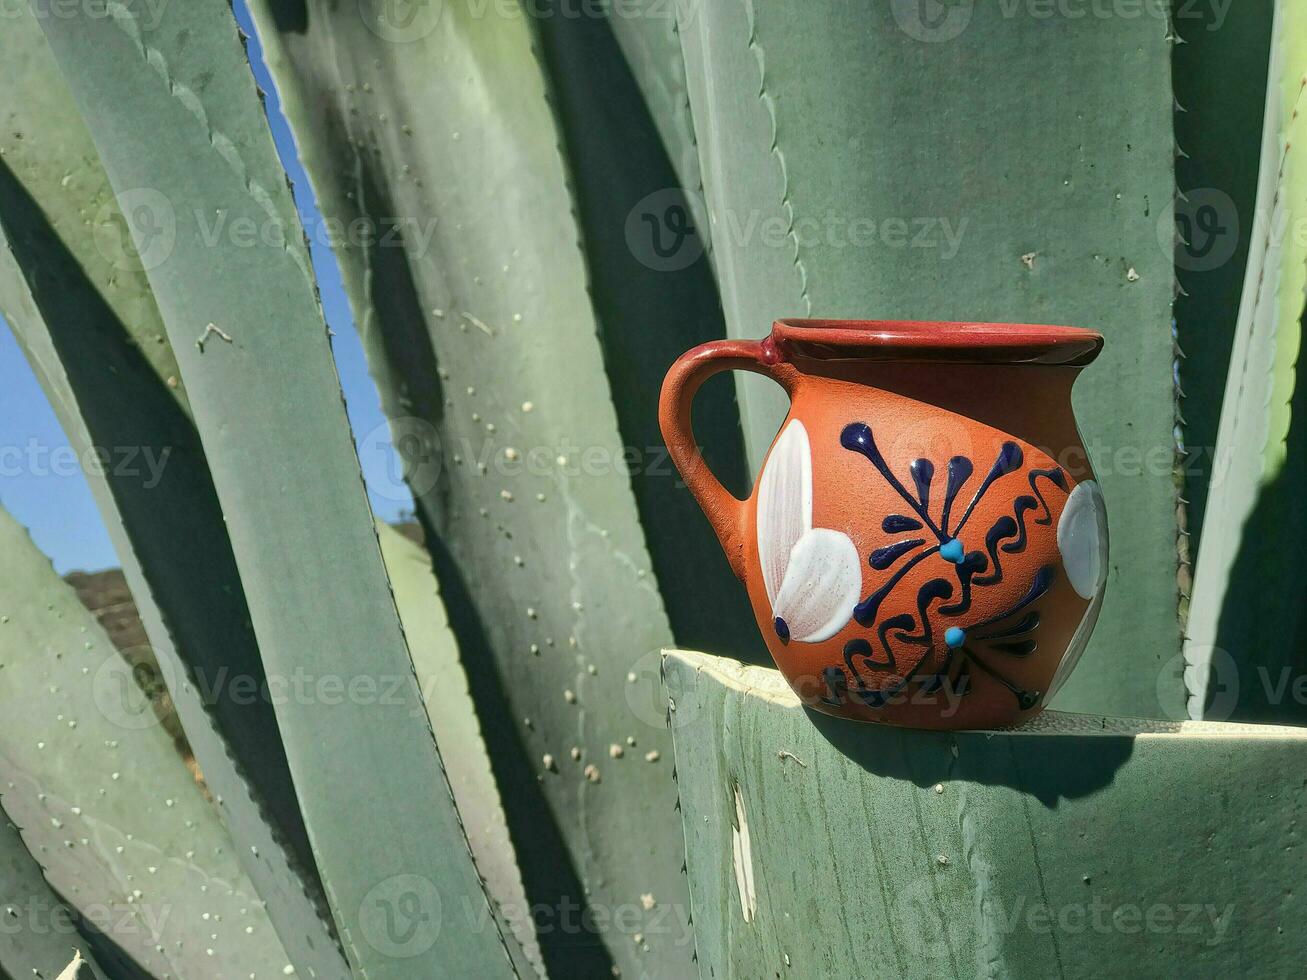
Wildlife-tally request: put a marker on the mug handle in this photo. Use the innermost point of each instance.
(725, 511)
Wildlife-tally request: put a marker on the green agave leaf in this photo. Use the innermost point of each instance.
(482, 337)
(76, 968)
(744, 180)
(46, 148)
(74, 290)
(1219, 73)
(648, 34)
(820, 848)
(859, 162)
(1247, 632)
(169, 100)
(652, 305)
(101, 797)
(444, 686)
(38, 936)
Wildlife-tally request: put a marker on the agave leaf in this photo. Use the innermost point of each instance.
(48, 151)
(37, 935)
(73, 289)
(873, 137)
(655, 297)
(1246, 624)
(977, 853)
(482, 339)
(167, 95)
(77, 969)
(102, 798)
(744, 181)
(647, 32)
(444, 686)
(1219, 73)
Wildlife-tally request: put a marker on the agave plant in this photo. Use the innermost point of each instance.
(473, 773)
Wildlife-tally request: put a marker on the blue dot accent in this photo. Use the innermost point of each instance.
(782, 629)
(955, 637)
(952, 551)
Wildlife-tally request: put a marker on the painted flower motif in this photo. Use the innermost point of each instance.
(1082, 539)
(944, 604)
(813, 576)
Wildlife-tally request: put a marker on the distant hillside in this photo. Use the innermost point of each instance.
(108, 597)
(106, 594)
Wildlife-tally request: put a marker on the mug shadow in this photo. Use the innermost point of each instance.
(1049, 766)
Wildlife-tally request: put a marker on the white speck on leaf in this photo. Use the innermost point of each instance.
(73, 969)
(742, 854)
(479, 324)
(210, 331)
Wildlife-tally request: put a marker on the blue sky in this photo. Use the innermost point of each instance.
(56, 504)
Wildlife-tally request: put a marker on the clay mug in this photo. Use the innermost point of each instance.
(925, 544)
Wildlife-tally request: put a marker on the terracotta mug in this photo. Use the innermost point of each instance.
(925, 544)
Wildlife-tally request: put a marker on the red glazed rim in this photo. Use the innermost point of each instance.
(909, 340)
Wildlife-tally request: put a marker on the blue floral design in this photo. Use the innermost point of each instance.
(950, 597)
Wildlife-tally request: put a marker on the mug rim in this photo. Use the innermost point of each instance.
(964, 341)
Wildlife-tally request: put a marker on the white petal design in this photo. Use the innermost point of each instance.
(784, 504)
(1082, 539)
(821, 586)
